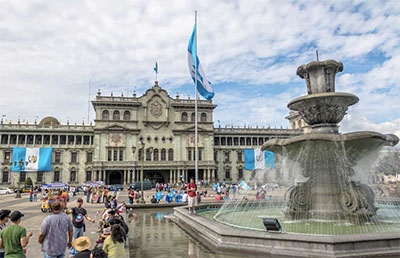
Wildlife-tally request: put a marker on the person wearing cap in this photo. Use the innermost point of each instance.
(78, 220)
(4, 218)
(82, 245)
(56, 232)
(14, 238)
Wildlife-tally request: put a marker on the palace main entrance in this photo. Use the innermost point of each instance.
(114, 177)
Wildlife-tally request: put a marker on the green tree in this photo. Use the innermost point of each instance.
(28, 181)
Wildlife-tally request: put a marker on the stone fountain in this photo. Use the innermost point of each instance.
(328, 213)
(329, 193)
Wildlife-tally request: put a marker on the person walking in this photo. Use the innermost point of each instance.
(35, 193)
(192, 200)
(4, 218)
(78, 221)
(114, 245)
(31, 195)
(14, 238)
(56, 232)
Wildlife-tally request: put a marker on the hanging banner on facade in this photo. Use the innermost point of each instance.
(31, 159)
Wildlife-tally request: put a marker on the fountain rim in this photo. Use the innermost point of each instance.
(352, 99)
(390, 139)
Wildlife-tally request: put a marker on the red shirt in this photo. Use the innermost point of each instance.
(191, 192)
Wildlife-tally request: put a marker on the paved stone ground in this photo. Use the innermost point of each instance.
(34, 217)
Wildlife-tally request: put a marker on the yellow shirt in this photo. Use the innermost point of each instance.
(113, 250)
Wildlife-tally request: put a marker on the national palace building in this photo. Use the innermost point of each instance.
(109, 150)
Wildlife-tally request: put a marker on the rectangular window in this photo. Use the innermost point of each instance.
(30, 139)
(21, 139)
(200, 154)
(89, 157)
(86, 140)
(227, 173)
(242, 142)
(236, 141)
(216, 141)
(71, 140)
(22, 177)
(121, 155)
(57, 157)
(5, 177)
(240, 156)
(7, 157)
(4, 139)
(13, 139)
(226, 156)
(255, 141)
(229, 141)
(63, 139)
(54, 139)
(74, 157)
(88, 175)
(38, 139)
(39, 176)
(78, 140)
(115, 155)
(56, 176)
(46, 139)
(248, 141)
(240, 173)
(109, 156)
(189, 155)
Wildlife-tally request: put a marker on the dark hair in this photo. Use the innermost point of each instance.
(57, 206)
(4, 214)
(117, 234)
(98, 252)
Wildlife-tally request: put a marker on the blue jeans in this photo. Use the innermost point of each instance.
(49, 256)
(77, 232)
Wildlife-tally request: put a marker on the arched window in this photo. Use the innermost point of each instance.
(163, 154)
(127, 115)
(192, 117)
(116, 115)
(155, 155)
(105, 115)
(203, 117)
(184, 117)
(170, 155)
(148, 155)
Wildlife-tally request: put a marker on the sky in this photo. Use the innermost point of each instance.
(51, 51)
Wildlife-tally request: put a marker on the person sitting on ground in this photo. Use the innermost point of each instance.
(14, 238)
(218, 197)
(82, 245)
(114, 245)
(153, 199)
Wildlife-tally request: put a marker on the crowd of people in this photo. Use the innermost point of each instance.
(60, 232)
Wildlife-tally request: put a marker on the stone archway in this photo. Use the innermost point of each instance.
(115, 177)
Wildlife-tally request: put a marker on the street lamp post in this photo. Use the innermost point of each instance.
(142, 145)
(18, 193)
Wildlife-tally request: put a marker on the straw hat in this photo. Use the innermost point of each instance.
(81, 243)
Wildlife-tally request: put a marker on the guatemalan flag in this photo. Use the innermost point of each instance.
(203, 85)
(31, 159)
(256, 159)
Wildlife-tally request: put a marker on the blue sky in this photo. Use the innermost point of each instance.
(250, 51)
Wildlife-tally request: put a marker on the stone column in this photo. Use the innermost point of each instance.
(170, 176)
(176, 175)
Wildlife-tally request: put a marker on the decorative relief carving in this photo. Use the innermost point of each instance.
(156, 109)
(116, 140)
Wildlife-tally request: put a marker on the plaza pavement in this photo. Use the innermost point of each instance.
(34, 216)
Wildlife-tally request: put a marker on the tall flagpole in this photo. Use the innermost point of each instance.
(196, 151)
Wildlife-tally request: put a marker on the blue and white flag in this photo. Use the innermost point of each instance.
(31, 159)
(256, 159)
(244, 185)
(156, 68)
(203, 85)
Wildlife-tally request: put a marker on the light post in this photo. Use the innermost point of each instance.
(142, 145)
(18, 193)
